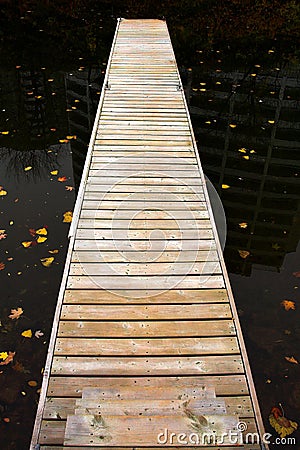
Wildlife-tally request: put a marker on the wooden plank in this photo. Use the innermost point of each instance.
(136, 366)
(143, 235)
(145, 197)
(161, 283)
(182, 346)
(145, 214)
(175, 296)
(156, 329)
(150, 256)
(52, 432)
(138, 430)
(142, 268)
(144, 224)
(145, 312)
(72, 386)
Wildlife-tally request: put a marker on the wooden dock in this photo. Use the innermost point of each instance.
(146, 336)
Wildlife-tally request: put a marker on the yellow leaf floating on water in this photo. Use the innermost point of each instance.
(27, 168)
(291, 359)
(225, 186)
(32, 383)
(246, 157)
(288, 304)
(42, 231)
(27, 334)
(53, 252)
(41, 239)
(68, 216)
(3, 355)
(243, 225)
(26, 244)
(3, 192)
(243, 253)
(281, 424)
(232, 125)
(243, 150)
(47, 261)
(54, 172)
(4, 132)
(271, 121)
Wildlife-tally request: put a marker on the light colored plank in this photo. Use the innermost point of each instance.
(144, 214)
(146, 204)
(135, 366)
(144, 224)
(145, 329)
(52, 432)
(151, 268)
(144, 196)
(160, 282)
(140, 234)
(143, 347)
(145, 312)
(72, 386)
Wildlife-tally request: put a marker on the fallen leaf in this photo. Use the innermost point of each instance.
(16, 313)
(243, 253)
(4, 132)
(232, 125)
(27, 168)
(26, 244)
(64, 141)
(3, 192)
(276, 246)
(54, 172)
(11, 222)
(3, 236)
(53, 252)
(47, 261)
(42, 231)
(3, 355)
(38, 334)
(2, 266)
(6, 419)
(32, 231)
(71, 137)
(271, 121)
(291, 359)
(288, 304)
(69, 188)
(62, 179)
(32, 383)
(243, 225)
(27, 334)
(296, 274)
(225, 186)
(9, 359)
(68, 217)
(243, 150)
(247, 157)
(41, 239)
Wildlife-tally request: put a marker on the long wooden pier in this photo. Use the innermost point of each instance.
(146, 340)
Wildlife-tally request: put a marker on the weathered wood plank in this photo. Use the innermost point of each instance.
(85, 329)
(146, 224)
(153, 347)
(135, 366)
(145, 214)
(175, 296)
(143, 235)
(145, 312)
(73, 386)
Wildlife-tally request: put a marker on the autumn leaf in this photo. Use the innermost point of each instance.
(243, 253)
(232, 125)
(69, 188)
(288, 304)
(26, 244)
(296, 274)
(71, 137)
(32, 231)
(65, 141)
(3, 236)
(281, 424)
(46, 262)
(41, 239)
(27, 168)
(243, 150)
(243, 225)
(3, 192)
(54, 172)
(9, 359)
(68, 217)
(2, 266)
(276, 246)
(3, 355)
(27, 334)
(246, 157)
(62, 179)
(42, 231)
(16, 313)
(291, 359)
(32, 383)
(38, 334)
(225, 186)
(53, 252)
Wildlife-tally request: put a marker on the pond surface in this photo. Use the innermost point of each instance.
(243, 90)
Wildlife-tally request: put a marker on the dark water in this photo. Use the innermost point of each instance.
(239, 65)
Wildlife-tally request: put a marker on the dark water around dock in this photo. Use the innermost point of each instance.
(241, 75)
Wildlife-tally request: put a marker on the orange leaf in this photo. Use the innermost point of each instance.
(62, 179)
(288, 304)
(296, 274)
(243, 253)
(8, 359)
(291, 359)
(2, 266)
(26, 244)
(16, 313)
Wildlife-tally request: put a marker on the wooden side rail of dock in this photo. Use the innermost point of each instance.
(146, 340)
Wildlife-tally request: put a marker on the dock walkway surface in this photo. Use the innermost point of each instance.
(146, 341)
